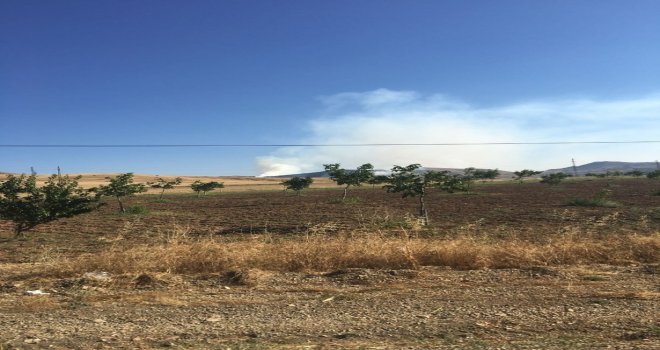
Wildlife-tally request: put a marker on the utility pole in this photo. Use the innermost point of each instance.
(575, 173)
(59, 173)
(32, 172)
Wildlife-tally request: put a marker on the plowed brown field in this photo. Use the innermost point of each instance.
(508, 267)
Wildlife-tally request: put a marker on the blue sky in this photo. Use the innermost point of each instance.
(281, 72)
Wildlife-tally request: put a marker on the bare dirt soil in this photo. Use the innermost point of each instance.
(594, 307)
(534, 211)
(578, 306)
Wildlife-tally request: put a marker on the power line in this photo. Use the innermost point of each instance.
(319, 145)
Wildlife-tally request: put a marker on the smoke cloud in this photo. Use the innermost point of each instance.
(387, 116)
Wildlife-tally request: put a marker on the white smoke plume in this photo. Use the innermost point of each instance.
(386, 116)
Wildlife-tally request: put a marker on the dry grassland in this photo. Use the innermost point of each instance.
(232, 183)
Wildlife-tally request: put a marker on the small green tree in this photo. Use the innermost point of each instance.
(362, 174)
(522, 174)
(163, 184)
(554, 179)
(119, 187)
(204, 187)
(410, 183)
(297, 183)
(29, 205)
(469, 177)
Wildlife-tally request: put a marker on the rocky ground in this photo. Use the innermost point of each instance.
(586, 307)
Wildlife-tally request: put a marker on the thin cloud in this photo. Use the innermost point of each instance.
(387, 116)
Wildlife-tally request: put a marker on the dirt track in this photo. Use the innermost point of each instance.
(549, 308)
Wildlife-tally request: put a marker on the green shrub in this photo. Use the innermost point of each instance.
(592, 202)
(347, 200)
(137, 210)
(601, 200)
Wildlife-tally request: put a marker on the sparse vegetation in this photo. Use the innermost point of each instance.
(610, 174)
(29, 205)
(635, 173)
(409, 183)
(119, 187)
(378, 180)
(163, 185)
(522, 174)
(600, 200)
(472, 174)
(348, 178)
(297, 183)
(201, 188)
(554, 179)
(654, 174)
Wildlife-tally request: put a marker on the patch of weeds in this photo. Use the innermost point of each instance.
(78, 300)
(595, 278)
(592, 202)
(601, 200)
(653, 332)
(347, 200)
(407, 222)
(162, 201)
(654, 214)
(656, 193)
(136, 210)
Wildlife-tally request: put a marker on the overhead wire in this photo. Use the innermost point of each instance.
(320, 144)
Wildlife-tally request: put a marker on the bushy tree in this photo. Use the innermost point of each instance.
(554, 179)
(472, 174)
(204, 187)
(635, 173)
(163, 184)
(297, 183)
(119, 187)
(486, 174)
(407, 181)
(654, 174)
(522, 174)
(362, 174)
(29, 205)
(378, 180)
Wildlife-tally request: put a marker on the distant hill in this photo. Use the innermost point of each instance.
(603, 167)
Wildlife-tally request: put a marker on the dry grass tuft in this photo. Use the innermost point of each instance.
(31, 304)
(243, 260)
(244, 277)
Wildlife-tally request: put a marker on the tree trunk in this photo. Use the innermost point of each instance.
(121, 205)
(161, 194)
(423, 213)
(18, 230)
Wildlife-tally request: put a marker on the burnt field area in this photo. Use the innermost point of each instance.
(530, 211)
